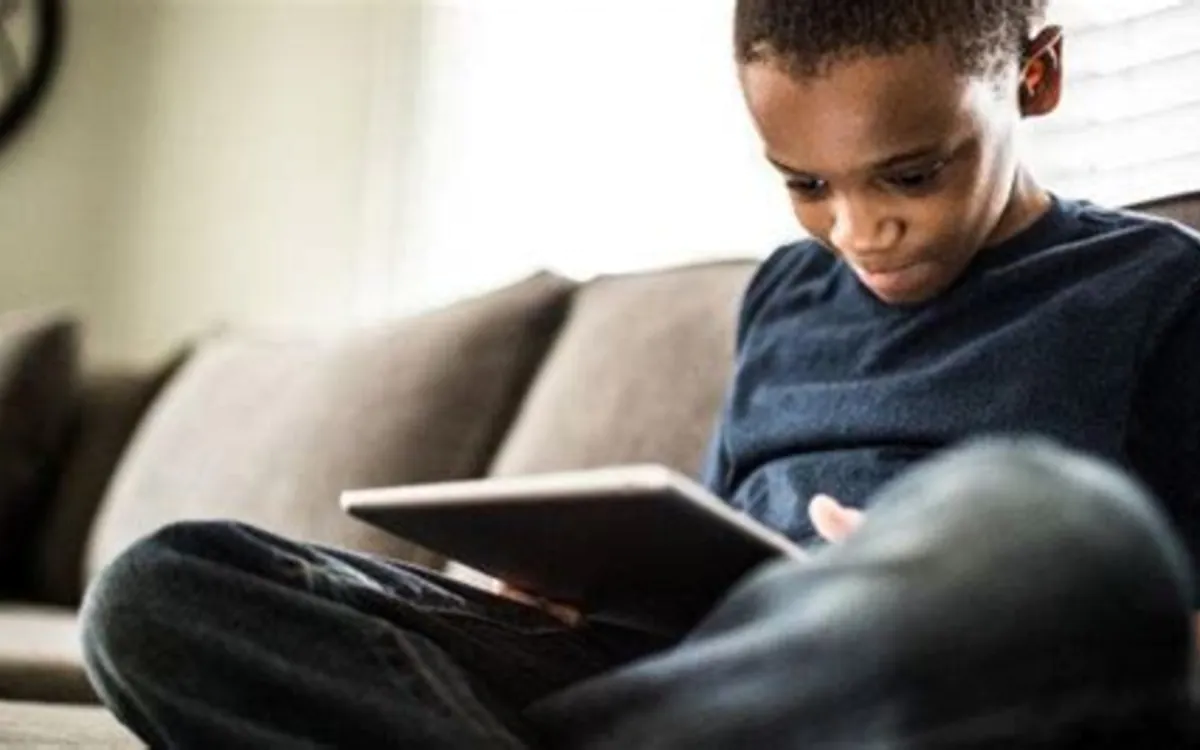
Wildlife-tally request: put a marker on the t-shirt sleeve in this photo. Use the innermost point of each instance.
(717, 470)
(1165, 429)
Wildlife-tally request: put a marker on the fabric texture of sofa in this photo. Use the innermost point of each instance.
(546, 374)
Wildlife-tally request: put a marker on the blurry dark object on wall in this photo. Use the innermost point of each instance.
(31, 34)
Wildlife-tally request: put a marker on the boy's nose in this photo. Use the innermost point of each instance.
(857, 233)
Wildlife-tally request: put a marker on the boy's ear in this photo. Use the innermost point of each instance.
(1042, 73)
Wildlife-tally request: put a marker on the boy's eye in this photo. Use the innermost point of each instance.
(915, 179)
(806, 187)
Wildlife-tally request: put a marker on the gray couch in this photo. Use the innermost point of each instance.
(539, 376)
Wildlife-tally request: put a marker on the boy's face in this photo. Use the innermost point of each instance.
(900, 166)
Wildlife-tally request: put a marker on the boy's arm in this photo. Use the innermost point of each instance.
(717, 471)
(1164, 430)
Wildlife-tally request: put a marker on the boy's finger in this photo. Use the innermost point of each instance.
(833, 521)
(517, 595)
(566, 614)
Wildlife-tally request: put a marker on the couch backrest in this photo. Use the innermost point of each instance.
(636, 375)
(111, 405)
(1182, 208)
(271, 432)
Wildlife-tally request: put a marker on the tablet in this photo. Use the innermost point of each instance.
(643, 546)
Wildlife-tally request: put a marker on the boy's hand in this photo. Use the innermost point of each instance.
(832, 520)
(563, 613)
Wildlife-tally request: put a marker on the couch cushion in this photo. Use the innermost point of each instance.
(41, 657)
(1182, 208)
(636, 375)
(272, 433)
(111, 406)
(39, 363)
(36, 725)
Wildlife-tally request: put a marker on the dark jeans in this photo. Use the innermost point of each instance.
(1004, 595)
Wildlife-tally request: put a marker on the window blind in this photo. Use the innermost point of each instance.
(1128, 128)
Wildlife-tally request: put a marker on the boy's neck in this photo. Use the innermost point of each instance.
(1027, 203)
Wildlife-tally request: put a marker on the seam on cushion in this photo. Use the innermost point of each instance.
(561, 321)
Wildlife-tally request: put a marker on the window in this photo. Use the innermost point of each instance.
(1129, 126)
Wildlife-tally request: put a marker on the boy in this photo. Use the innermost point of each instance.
(1008, 594)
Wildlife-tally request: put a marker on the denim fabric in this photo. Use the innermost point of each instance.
(219, 635)
(1005, 595)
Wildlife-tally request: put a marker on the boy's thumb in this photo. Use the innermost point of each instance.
(833, 521)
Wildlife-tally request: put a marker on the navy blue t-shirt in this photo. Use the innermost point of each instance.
(1084, 328)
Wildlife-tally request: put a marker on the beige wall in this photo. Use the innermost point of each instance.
(619, 142)
(57, 205)
(311, 163)
(205, 161)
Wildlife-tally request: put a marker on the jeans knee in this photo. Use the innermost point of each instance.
(130, 607)
(1035, 488)
(1046, 529)
(1022, 470)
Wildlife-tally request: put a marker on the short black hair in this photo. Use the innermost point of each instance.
(807, 36)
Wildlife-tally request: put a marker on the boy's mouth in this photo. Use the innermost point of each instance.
(871, 268)
(907, 282)
(885, 268)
